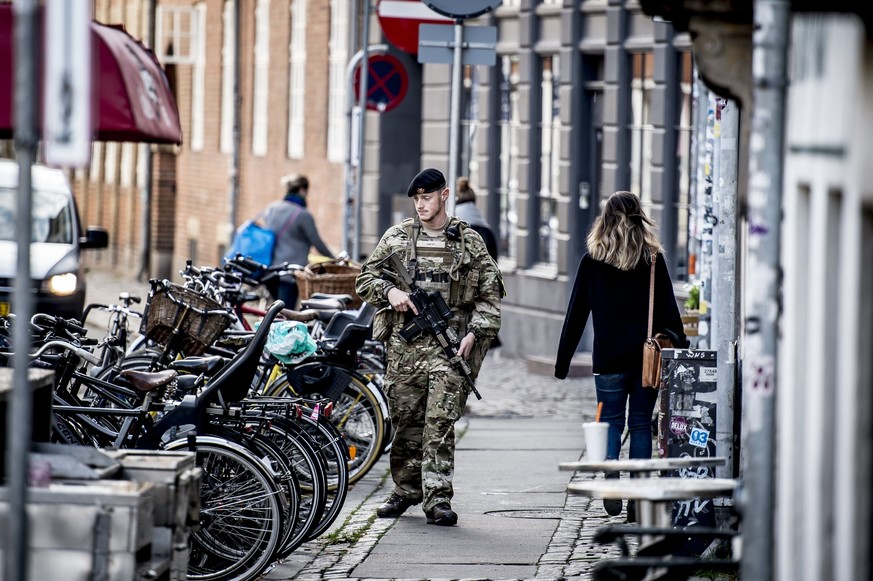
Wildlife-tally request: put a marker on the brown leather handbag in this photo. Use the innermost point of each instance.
(653, 345)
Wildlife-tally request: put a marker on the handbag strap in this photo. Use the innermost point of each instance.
(652, 294)
(291, 220)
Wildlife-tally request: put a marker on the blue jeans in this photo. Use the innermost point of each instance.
(288, 294)
(620, 391)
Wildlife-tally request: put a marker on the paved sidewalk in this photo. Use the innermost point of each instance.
(515, 518)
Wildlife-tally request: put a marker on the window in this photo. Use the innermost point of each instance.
(550, 158)
(199, 81)
(52, 216)
(297, 80)
(510, 125)
(142, 150)
(338, 57)
(176, 34)
(228, 51)
(641, 128)
(262, 71)
(110, 165)
(128, 153)
(96, 160)
(470, 124)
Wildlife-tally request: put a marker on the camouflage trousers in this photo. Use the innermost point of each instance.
(426, 397)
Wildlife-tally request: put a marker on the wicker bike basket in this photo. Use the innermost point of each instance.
(328, 277)
(199, 319)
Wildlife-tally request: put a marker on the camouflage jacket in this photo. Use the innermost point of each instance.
(484, 289)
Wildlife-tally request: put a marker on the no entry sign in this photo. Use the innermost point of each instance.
(400, 20)
(387, 82)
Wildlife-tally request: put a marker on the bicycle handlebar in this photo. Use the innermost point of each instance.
(80, 353)
(58, 324)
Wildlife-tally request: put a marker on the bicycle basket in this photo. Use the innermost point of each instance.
(328, 277)
(199, 319)
(318, 380)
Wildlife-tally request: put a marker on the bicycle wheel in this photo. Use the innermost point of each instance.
(264, 448)
(328, 444)
(240, 514)
(358, 416)
(65, 430)
(311, 477)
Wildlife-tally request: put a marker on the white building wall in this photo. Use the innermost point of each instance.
(818, 469)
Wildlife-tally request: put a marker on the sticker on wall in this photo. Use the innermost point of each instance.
(699, 438)
(708, 374)
(679, 425)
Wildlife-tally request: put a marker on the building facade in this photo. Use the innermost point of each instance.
(586, 98)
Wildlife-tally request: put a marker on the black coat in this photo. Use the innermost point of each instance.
(618, 301)
(488, 236)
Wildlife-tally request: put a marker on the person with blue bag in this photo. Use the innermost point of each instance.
(296, 234)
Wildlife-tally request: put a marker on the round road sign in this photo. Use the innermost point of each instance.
(386, 85)
(462, 8)
(400, 20)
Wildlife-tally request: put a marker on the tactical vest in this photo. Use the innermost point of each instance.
(437, 263)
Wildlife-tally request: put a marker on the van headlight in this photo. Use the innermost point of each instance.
(61, 285)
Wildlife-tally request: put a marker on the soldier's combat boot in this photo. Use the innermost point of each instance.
(442, 515)
(395, 506)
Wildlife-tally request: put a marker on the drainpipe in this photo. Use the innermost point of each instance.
(145, 235)
(763, 298)
(725, 321)
(362, 113)
(233, 173)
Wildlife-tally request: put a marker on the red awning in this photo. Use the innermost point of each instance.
(133, 100)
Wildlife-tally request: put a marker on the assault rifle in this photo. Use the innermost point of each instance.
(433, 316)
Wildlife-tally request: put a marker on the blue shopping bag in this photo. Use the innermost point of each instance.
(253, 241)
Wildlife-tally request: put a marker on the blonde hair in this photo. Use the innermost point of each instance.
(464, 191)
(623, 234)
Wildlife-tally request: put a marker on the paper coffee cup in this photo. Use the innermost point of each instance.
(595, 440)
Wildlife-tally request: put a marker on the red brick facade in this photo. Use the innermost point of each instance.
(191, 189)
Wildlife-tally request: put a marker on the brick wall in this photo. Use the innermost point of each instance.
(191, 189)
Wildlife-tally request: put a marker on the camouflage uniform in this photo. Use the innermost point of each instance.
(426, 394)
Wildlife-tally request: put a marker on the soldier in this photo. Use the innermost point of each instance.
(427, 394)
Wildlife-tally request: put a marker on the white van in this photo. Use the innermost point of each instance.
(57, 238)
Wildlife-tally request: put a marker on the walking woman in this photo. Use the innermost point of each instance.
(612, 284)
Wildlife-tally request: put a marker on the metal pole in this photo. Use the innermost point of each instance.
(762, 296)
(233, 173)
(725, 305)
(362, 106)
(705, 224)
(18, 426)
(145, 235)
(348, 169)
(455, 114)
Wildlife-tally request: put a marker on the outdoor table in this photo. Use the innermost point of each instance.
(649, 492)
(642, 465)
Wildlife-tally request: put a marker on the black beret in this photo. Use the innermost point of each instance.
(427, 180)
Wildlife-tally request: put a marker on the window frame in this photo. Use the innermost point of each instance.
(178, 37)
(261, 79)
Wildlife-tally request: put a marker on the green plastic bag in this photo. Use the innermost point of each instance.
(290, 341)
